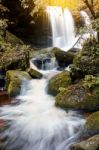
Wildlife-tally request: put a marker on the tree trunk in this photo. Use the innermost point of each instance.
(90, 8)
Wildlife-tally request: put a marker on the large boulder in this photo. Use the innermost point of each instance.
(92, 124)
(86, 61)
(34, 74)
(13, 56)
(61, 80)
(82, 96)
(89, 144)
(64, 58)
(14, 81)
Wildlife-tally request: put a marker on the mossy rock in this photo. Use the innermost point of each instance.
(11, 38)
(14, 56)
(92, 124)
(79, 96)
(14, 81)
(61, 80)
(89, 144)
(64, 58)
(34, 74)
(86, 61)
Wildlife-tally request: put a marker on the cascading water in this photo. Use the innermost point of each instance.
(35, 123)
(87, 21)
(63, 34)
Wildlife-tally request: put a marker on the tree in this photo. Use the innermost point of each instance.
(90, 5)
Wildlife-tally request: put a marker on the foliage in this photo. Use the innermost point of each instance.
(95, 24)
(3, 24)
(91, 81)
(91, 47)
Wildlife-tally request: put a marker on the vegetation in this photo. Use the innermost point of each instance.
(77, 89)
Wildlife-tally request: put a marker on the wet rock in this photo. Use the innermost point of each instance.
(61, 80)
(40, 62)
(89, 144)
(82, 96)
(14, 81)
(92, 124)
(34, 74)
(2, 78)
(4, 98)
(64, 58)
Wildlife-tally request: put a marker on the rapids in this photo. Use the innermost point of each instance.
(35, 123)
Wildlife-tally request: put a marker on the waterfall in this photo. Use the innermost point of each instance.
(89, 30)
(87, 19)
(63, 35)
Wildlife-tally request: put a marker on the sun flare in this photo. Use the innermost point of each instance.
(64, 3)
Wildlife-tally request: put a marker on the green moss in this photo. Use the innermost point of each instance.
(61, 80)
(79, 97)
(89, 144)
(86, 61)
(92, 124)
(14, 81)
(34, 73)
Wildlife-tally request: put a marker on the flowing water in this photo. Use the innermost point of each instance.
(35, 123)
(63, 28)
(89, 29)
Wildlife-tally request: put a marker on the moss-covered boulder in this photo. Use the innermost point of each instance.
(92, 124)
(14, 81)
(14, 56)
(34, 74)
(83, 95)
(64, 58)
(89, 144)
(86, 61)
(61, 80)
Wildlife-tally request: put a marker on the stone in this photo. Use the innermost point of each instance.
(15, 78)
(34, 73)
(60, 80)
(92, 124)
(64, 58)
(81, 96)
(89, 144)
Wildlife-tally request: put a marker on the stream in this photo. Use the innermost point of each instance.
(35, 123)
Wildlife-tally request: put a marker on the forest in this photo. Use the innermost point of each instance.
(49, 75)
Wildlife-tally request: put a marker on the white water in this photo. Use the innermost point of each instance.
(63, 28)
(89, 31)
(36, 124)
(63, 34)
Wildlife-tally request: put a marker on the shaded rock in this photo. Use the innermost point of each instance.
(81, 96)
(41, 61)
(14, 81)
(4, 98)
(61, 80)
(92, 124)
(2, 78)
(34, 73)
(64, 58)
(11, 38)
(89, 144)
(13, 57)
